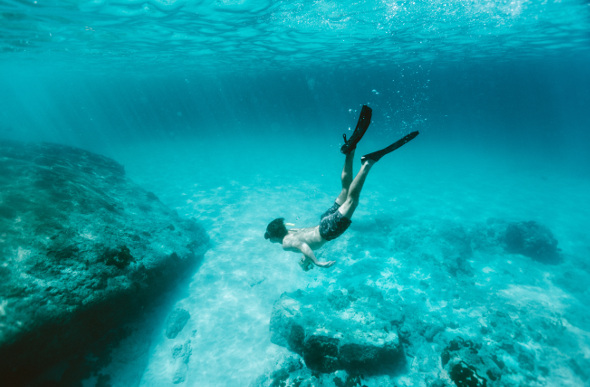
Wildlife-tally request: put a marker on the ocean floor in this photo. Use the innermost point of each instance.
(416, 239)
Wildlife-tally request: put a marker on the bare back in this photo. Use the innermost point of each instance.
(310, 236)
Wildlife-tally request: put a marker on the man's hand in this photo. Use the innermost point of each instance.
(308, 254)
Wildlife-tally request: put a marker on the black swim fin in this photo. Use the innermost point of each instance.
(361, 127)
(375, 156)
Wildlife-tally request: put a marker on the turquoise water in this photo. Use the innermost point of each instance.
(286, 35)
(232, 112)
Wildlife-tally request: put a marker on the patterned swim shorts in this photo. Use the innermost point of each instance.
(333, 223)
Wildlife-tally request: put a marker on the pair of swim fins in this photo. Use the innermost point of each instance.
(361, 127)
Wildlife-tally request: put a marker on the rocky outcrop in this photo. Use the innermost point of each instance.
(83, 250)
(528, 238)
(468, 364)
(353, 330)
(533, 240)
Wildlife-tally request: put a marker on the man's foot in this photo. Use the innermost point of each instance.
(375, 156)
(359, 131)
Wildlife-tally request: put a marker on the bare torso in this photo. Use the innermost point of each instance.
(310, 236)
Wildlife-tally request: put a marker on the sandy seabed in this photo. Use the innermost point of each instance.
(419, 209)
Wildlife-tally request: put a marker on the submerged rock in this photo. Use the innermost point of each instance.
(529, 238)
(533, 240)
(83, 251)
(181, 355)
(468, 365)
(339, 330)
(176, 322)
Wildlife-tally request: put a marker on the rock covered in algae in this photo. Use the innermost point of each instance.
(353, 330)
(83, 250)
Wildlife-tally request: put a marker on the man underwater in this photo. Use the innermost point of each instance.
(337, 219)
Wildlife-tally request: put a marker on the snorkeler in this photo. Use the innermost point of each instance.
(336, 220)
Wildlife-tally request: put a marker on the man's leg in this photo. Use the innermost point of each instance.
(346, 178)
(354, 191)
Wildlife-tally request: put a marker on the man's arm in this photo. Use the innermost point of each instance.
(308, 252)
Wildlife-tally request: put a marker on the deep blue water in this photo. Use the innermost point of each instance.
(233, 112)
(532, 109)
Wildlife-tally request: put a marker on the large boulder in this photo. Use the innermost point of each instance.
(353, 330)
(83, 250)
(528, 238)
(533, 240)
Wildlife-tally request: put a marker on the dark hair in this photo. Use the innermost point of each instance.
(276, 229)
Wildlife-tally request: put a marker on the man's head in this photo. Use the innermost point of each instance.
(276, 230)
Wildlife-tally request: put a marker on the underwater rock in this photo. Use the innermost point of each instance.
(533, 240)
(528, 238)
(84, 250)
(181, 355)
(176, 322)
(289, 371)
(469, 366)
(348, 330)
